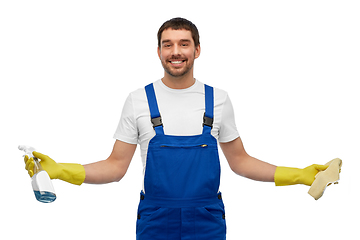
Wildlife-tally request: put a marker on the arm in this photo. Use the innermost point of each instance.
(244, 165)
(109, 170)
(114, 167)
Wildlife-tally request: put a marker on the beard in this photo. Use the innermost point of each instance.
(175, 71)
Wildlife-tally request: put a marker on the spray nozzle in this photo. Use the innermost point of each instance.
(29, 152)
(27, 149)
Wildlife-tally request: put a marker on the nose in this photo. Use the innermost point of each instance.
(176, 50)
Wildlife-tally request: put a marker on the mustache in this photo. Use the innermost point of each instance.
(178, 57)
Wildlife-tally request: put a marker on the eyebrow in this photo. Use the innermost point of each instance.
(168, 40)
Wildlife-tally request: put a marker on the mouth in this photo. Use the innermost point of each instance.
(177, 63)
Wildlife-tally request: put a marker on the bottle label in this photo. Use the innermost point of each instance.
(42, 182)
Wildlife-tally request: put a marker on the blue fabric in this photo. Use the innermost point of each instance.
(209, 106)
(182, 178)
(154, 110)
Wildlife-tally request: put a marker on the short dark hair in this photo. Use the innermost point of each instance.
(177, 24)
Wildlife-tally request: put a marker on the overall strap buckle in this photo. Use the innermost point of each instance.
(208, 121)
(156, 122)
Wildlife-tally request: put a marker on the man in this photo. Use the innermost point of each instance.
(178, 123)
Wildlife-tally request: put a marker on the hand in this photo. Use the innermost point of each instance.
(288, 176)
(68, 172)
(47, 164)
(309, 173)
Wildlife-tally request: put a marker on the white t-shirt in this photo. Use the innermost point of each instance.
(182, 114)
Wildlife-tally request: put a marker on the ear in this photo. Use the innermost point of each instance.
(159, 52)
(197, 51)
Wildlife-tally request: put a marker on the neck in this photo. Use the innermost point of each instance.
(182, 82)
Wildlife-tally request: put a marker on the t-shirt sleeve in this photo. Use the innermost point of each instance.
(127, 130)
(228, 131)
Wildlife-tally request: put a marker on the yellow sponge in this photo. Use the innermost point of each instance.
(326, 178)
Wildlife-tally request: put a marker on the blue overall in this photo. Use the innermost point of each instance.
(181, 183)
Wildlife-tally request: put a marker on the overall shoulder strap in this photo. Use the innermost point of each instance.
(154, 110)
(209, 109)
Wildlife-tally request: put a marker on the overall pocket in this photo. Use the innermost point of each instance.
(151, 220)
(210, 222)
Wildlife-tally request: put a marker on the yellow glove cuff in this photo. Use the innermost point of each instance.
(72, 173)
(287, 176)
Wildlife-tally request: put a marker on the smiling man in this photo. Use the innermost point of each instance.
(178, 123)
(177, 51)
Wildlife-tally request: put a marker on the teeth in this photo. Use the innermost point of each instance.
(176, 62)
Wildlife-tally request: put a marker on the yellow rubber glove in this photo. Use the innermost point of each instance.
(289, 176)
(68, 172)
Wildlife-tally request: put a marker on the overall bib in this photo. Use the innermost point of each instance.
(181, 183)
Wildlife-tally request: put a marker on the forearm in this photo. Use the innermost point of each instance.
(105, 171)
(255, 169)
(245, 165)
(114, 167)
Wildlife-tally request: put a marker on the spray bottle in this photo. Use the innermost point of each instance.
(40, 181)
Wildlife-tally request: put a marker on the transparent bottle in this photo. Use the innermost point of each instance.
(40, 181)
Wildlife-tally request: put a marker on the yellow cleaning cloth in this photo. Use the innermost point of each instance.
(326, 178)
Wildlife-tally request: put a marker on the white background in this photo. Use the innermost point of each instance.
(291, 69)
